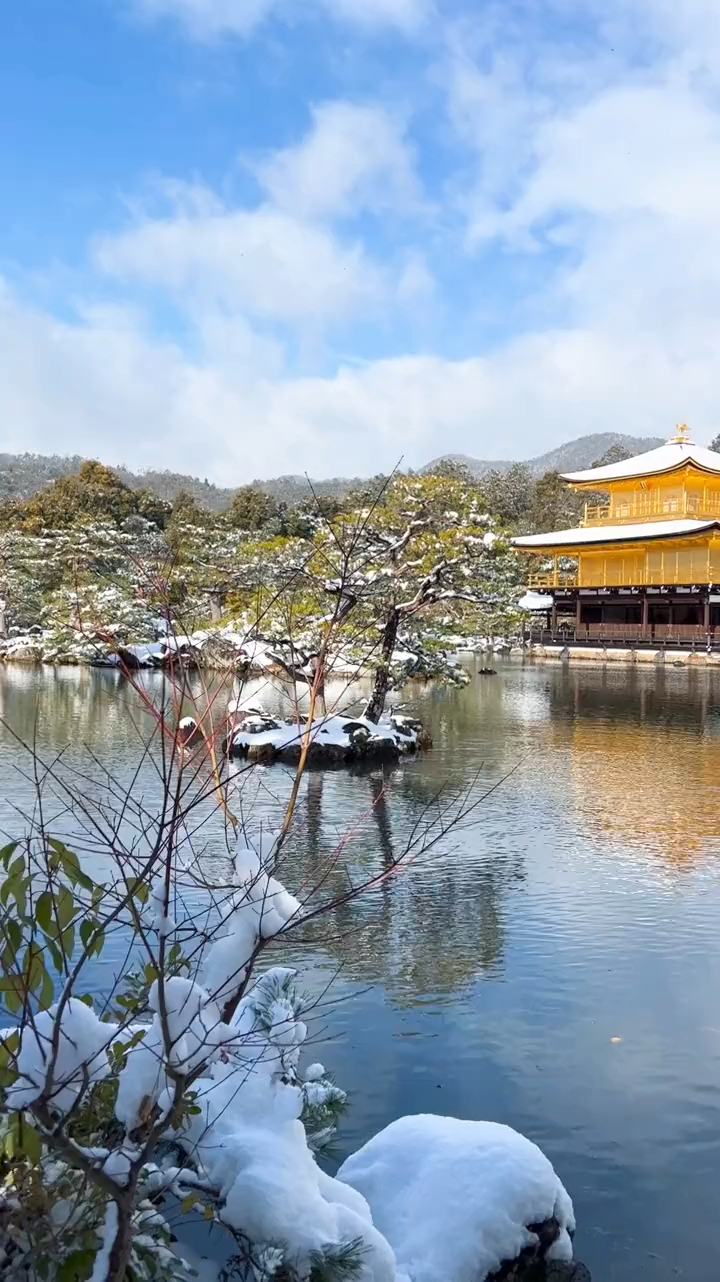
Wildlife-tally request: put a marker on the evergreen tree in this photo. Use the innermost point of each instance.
(616, 454)
(509, 494)
(251, 509)
(94, 492)
(555, 505)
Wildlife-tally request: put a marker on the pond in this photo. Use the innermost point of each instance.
(555, 965)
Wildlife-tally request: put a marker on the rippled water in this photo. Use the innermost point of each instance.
(555, 966)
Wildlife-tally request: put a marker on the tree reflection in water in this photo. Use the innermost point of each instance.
(430, 927)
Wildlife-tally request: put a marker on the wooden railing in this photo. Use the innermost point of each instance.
(661, 634)
(680, 632)
(621, 631)
(553, 579)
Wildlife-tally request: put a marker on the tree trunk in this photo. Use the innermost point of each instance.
(381, 685)
(318, 661)
(217, 603)
(121, 1248)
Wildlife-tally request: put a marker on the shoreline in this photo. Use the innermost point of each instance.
(26, 652)
(617, 655)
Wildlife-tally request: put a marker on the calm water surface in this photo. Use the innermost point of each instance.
(555, 966)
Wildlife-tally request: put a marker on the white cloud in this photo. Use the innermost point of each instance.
(687, 33)
(210, 19)
(261, 262)
(595, 176)
(416, 283)
(283, 261)
(653, 149)
(207, 19)
(496, 114)
(603, 169)
(407, 15)
(100, 387)
(354, 157)
(600, 174)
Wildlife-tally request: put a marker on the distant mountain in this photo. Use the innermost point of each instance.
(23, 474)
(572, 457)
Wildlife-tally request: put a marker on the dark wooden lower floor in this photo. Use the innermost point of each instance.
(685, 636)
(682, 616)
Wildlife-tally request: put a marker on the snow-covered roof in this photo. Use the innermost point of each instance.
(675, 453)
(613, 533)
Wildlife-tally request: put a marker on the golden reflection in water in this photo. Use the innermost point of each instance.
(648, 784)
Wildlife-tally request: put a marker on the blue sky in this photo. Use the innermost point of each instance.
(245, 237)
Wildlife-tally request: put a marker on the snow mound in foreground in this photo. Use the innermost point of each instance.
(454, 1198)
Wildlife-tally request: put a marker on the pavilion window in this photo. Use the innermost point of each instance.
(686, 613)
(685, 565)
(591, 613)
(659, 612)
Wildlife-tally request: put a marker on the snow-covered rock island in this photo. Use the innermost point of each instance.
(331, 739)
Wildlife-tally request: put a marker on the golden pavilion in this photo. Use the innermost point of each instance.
(644, 564)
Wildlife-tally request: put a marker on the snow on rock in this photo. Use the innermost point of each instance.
(343, 736)
(454, 1198)
(535, 601)
(145, 654)
(210, 647)
(82, 1046)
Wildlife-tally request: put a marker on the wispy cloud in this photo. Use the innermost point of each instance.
(262, 263)
(284, 259)
(355, 157)
(211, 19)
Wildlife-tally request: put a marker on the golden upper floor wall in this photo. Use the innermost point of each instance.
(681, 493)
(678, 479)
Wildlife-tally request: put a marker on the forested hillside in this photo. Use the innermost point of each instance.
(21, 475)
(88, 564)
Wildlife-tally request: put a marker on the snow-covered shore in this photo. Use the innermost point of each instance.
(214, 648)
(226, 647)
